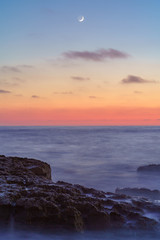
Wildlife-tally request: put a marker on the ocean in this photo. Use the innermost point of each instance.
(102, 157)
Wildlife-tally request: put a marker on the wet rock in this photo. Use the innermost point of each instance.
(124, 208)
(94, 217)
(152, 168)
(28, 196)
(90, 191)
(27, 169)
(145, 223)
(140, 192)
(117, 220)
(72, 218)
(97, 220)
(41, 171)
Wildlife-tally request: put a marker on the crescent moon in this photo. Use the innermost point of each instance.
(81, 19)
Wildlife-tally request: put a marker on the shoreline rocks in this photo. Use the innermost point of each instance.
(140, 192)
(28, 195)
(151, 168)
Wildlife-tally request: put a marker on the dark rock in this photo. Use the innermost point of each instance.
(124, 208)
(41, 171)
(28, 196)
(145, 223)
(72, 218)
(14, 168)
(94, 217)
(141, 222)
(133, 216)
(140, 192)
(153, 168)
(97, 220)
(117, 220)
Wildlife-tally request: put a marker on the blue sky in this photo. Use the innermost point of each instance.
(38, 29)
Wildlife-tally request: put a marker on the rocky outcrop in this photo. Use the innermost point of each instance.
(23, 169)
(152, 168)
(28, 196)
(140, 192)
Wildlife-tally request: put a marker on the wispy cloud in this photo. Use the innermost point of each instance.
(15, 69)
(92, 97)
(4, 91)
(35, 96)
(13, 82)
(135, 79)
(138, 92)
(17, 79)
(10, 69)
(18, 95)
(97, 56)
(64, 93)
(67, 93)
(77, 78)
(25, 66)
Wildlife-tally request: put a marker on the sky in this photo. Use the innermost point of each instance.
(55, 70)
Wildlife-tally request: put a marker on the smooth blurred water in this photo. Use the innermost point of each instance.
(101, 157)
(108, 235)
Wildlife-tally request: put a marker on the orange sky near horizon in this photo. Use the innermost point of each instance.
(84, 117)
(79, 99)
